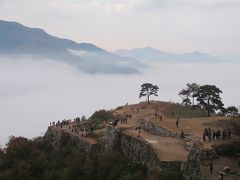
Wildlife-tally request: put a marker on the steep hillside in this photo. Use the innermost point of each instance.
(17, 40)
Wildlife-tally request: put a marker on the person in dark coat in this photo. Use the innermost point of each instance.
(211, 167)
(177, 122)
(204, 136)
(221, 176)
(229, 133)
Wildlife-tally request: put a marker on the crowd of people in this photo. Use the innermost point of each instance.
(124, 120)
(61, 123)
(156, 115)
(75, 129)
(212, 134)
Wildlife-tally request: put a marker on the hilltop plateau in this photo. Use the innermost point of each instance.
(147, 134)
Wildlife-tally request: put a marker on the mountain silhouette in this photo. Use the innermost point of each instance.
(18, 40)
(151, 54)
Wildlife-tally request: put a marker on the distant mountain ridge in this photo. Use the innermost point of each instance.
(151, 54)
(17, 39)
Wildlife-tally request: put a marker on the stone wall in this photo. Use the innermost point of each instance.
(138, 150)
(59, 139)
(135, 149)
(191, 168)
(207, 154)
(160, 130)
(157, 129)
(113, 140)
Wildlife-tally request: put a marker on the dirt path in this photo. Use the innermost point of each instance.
(218, 166)
(81, 135)
(192, 127)
(167, 148)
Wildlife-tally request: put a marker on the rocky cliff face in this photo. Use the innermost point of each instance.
(191, 168)
(114, 140)
(136, 149)
(60, 138)
(158, 130)
(111, 140)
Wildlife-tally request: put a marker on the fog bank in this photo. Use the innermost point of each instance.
(33, 93)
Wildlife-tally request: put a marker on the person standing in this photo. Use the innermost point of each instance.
(182, 135)
(177, 122)
(229, 133)
(209, 135)
(139, 131)
(211, 167)
(214, 135)
(204, 135)
(221, 176)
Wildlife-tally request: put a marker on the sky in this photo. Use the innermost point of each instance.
(210, 26)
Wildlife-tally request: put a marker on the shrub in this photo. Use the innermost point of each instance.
(102, 115)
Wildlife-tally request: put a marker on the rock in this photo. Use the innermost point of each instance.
(227, 169)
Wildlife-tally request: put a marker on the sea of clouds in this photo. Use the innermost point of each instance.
(33, 93)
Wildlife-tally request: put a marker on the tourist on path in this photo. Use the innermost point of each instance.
(229, 133)
(211, 167)
(218, 134)
(209, 135)
(177, 122)
(139, 131)
(182, 135)
(204, 135)
(214, 135)
(221, 176)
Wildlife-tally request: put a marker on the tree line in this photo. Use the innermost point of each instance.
(38, 159)
(197, 96)
(207, 97)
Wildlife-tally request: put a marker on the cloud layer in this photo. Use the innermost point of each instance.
(33, 93)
